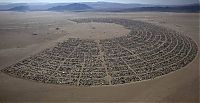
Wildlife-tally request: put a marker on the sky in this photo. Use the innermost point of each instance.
(163, 2)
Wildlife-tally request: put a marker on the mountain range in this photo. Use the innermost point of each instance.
(97, 6)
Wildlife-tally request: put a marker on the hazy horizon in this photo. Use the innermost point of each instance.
(160, 2)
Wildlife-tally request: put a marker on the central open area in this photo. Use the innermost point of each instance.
(96, 30)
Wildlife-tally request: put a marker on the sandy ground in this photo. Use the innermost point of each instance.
(25, 33)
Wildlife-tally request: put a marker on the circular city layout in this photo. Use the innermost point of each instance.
(147, 52)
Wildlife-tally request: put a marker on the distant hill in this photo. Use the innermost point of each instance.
(71, 7)
(32, 6)
(112, 5)
(6, 6)
(19, 8)
(184, 8)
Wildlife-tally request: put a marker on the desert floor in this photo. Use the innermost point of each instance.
(25, 33)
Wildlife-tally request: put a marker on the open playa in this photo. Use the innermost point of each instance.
(25, 35)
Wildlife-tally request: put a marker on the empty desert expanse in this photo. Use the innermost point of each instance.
(25, 33)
